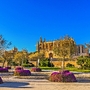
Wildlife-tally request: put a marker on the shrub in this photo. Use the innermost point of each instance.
(8, 67)
(45, 62)
(63, 76)
(84, 62)
(22, 73)
(31, 64)
(70, 65)
(19, 68)
(28, 65)
(36, 69)
(3, 70)
(0, 67)
(14, 64)
(1, 81)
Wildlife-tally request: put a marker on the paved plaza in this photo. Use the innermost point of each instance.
(13, 83)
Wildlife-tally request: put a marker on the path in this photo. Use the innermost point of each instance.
(12, 83)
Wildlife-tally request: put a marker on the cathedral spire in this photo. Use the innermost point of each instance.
(44, 40)
(40, 39)
(37, 46)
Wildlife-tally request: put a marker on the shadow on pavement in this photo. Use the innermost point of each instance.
(15, 85)
(83, 80)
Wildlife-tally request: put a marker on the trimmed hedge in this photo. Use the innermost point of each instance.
(28, 65)
(62, 76)
(70, 65)
(19, 68)
(22, 73)
(8, 67)
(1, 81)
(36, 69)
(0, 66)
(3, 70)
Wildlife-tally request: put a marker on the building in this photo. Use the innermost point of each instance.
(47, 48)
(82, 51)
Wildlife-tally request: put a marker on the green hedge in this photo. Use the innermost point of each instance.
(28, 65)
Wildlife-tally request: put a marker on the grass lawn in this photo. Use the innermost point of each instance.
(67, 68)
(50, 68)
(77, 70)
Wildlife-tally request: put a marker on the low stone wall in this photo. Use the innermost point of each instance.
(59, 63)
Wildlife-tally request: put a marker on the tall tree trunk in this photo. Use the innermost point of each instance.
(3, 63)
(63, 63)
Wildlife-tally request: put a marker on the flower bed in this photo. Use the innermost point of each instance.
(35, 69)
(0, 67)
(19, 68)
(3, 70)
(22, 73)
(8, 67)
(1, 81)
(62, 76)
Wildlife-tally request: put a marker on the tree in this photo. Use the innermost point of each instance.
(88, 46)
(25, 56)
(7, 57)
(3, 45)
(84, 62)
(45, 62)
(21, 57)
(64, 48)
(36, 56)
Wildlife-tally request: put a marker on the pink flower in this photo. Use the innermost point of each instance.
(22, 73)
(19, 68)
(35, 69)
(63, 76)
(3, 70)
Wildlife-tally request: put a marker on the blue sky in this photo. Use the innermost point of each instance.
(23, 21)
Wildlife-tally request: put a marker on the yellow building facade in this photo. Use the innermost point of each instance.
(47, 48)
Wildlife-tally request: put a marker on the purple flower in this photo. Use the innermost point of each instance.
(63, 76)
(65, 71)
(69, 77)
(54, 73)
(22, 73)
(8, 67)
(19, 68)
(3, 70)
(35, 69)
(0, 67)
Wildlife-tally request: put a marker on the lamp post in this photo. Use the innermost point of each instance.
(38, 62)
(51, 61)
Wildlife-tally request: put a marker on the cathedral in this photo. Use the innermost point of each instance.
(47, 48)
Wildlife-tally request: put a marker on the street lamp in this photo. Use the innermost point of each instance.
(38, 62)
(51, 61)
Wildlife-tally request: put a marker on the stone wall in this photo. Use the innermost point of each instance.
(59, 63)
